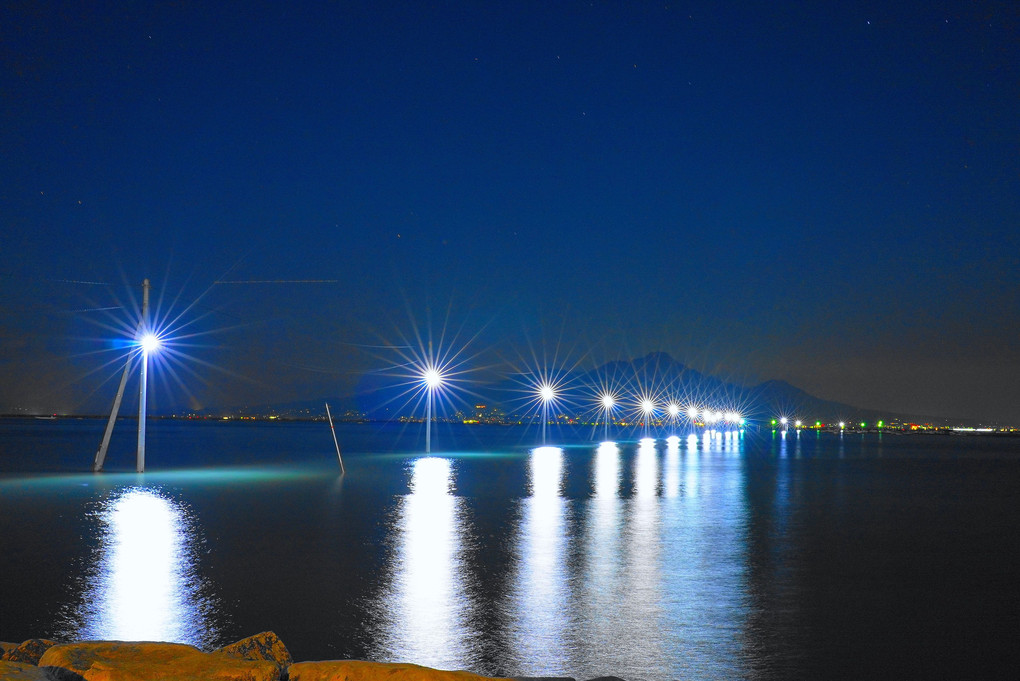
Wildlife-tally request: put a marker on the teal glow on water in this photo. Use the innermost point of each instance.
(732, 556)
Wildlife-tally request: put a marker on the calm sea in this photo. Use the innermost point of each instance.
(754, 555)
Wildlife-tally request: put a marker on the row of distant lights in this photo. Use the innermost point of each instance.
(433, 378)
(547, 393)
(785, 422)
(648, 407)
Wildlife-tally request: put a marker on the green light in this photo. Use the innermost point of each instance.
(863, 424)
(773, 422)
(881, 423)
(818, 424)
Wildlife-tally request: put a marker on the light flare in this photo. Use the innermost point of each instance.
(150, 343)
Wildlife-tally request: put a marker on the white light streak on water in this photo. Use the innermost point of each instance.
(734, 443)
(642, 575)
(142, 589)
(540, 605)
(702, 571)
(546, 472)
(600, 592)
(646, 472)
(429, 605)
(607, 471)
(671, 482)
(691, 462)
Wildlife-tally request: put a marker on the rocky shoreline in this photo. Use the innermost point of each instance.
(262, 657)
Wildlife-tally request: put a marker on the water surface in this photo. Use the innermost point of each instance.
(751, 555)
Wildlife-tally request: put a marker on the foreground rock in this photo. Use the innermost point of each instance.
(264, 646)
(262, 657)
(28, 652)
(356, 670)
(120, 661)
(19, 671)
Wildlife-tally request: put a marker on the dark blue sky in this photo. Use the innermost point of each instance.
(829, 196)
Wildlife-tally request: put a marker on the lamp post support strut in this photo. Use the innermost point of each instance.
(97, 465)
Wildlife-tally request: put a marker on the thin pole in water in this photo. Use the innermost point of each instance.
(343, 471)
(101, 453)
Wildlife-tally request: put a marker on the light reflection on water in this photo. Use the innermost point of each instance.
(620, 581)
(771, 556)
(599, 590)
(428, 605)
(671, 477)
(539, 624)
(640, 603)
(703, 564)
(142, 585)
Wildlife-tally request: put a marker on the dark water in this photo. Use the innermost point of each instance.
(740, 556)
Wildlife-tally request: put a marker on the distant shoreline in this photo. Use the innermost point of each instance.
(962, 430)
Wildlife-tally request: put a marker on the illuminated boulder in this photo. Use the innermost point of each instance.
(28, 652)
(264, 646)
(130, 661)
(19, 671)
(355, 670)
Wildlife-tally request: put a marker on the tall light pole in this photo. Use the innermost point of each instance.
(648, 409)
(432, 379)
(692, 414)
(546, 393)
(607, 401)
(147, 342)
(674, 414)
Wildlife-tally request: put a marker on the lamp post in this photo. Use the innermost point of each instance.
(648, 409)
(148, 342)
(547, 394)
(674, 413)
(692, 415)
(608, 401)
(432, 379)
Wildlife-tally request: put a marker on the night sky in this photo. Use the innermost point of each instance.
(828, 196)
